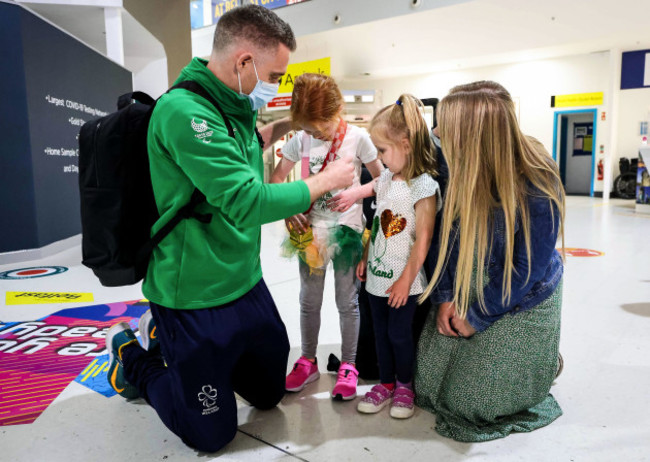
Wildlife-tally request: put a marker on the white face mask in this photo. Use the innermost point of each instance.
(263, 92)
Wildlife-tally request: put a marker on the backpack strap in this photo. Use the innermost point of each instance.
(260, 139)
(187, 211)
(197, 88)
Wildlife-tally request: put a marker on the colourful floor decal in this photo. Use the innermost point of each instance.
(94, 376)
(34, 298)
(573, 252)
(34, 272)
(38, 359)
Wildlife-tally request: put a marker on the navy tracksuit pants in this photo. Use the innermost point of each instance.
(212, 353)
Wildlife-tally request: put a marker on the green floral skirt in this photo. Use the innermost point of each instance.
(496, 382)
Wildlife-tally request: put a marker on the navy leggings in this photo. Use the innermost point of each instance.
(394, 338)
(212, 353)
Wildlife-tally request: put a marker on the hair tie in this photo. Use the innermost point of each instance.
(398, 102)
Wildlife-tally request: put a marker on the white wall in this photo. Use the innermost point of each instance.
(150, 76)
(634, 108)
(532, 82)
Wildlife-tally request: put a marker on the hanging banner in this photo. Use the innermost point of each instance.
(316, 66)
(578, 99)
(635, 69)
(283, 100)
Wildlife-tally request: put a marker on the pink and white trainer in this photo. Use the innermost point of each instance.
(303, 372)
(375, 400)
(346, 383)
(402, 406)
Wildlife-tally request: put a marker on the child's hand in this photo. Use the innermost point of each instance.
(343, 200)
(399, 293)
(361, 270)
(298, 223)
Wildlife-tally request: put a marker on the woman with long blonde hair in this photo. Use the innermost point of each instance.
(489, 353)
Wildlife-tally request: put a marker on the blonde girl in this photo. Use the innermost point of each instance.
(488, 356)
(401, 235)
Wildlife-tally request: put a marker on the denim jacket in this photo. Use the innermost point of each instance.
(546, 267)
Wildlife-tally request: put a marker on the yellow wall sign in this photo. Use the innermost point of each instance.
(578, 99)
(317, 66)
(32, 298)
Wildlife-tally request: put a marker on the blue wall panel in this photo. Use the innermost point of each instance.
(57, 83)
(17, 209)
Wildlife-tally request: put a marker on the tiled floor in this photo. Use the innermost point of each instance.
(603, 390)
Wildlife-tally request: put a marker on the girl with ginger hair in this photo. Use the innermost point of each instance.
(320, 235)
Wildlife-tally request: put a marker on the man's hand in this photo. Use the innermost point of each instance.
(340, 173)
(297, 223)
(337, 175)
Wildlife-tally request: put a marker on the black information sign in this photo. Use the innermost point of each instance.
(55, 84)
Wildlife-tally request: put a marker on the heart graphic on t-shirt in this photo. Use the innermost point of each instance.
(392, 224)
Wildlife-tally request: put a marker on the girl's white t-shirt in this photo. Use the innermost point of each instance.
(359, 147)
(393, 231)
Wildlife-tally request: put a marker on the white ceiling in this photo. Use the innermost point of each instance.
(87, 24)
(439, 35)
(477, 33)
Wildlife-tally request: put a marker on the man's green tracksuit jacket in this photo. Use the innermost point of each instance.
(203, 265)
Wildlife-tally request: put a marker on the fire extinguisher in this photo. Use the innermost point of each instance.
(601, 170)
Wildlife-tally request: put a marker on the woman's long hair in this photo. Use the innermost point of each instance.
(492, 166)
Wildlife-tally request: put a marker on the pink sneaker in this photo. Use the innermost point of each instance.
(402, 407)
(375, 400)
(346, 383)
(303, 372)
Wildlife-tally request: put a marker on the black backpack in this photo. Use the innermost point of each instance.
(118, 207)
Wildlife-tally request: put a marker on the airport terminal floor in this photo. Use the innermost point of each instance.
(603, 389)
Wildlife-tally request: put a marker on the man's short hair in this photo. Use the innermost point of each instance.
(253, 23)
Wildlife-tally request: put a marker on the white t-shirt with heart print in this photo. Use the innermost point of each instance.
(393, 231)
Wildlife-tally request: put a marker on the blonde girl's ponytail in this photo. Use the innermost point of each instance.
(423, 155)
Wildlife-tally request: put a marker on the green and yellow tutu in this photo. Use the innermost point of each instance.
(316, 247)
